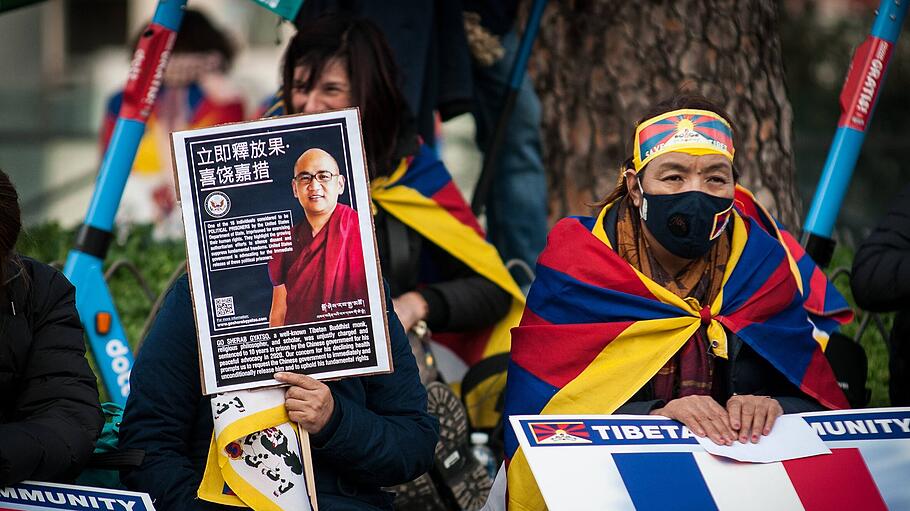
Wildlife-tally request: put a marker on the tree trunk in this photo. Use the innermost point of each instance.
(598, 64)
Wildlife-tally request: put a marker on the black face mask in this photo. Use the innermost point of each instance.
(686, 223)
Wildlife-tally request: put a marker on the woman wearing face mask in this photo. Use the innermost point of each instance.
(672, 301)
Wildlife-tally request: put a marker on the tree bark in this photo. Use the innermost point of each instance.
(599, 64)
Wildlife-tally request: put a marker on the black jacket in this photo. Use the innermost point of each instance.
(881, 283)
(380, 433)
(431, 51)
(49, 411)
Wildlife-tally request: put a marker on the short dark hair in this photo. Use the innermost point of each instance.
(676, 102)
(198, 34)
(366, 54)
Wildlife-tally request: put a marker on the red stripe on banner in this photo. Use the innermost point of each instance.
(716, 135)
(588, 260)
(796, 250)
(557, 354)
(450, 199)
(819, 382)
(840, 480)
(818, 286)
(656, 130)
(770, 299)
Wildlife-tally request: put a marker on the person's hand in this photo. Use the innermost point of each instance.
(753, 416)
(703, 416)
(410, 308)
(309, 401)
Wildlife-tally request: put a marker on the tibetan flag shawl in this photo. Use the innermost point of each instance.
(596, 330)
(421, 194)
(826, 307)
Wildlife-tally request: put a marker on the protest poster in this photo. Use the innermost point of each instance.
(629, 462)
(38, 496)
(281, 250)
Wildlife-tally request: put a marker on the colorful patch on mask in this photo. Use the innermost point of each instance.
(692, 131)
(720, 222)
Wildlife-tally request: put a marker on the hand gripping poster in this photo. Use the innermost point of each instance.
(281, 250)
(284, 277)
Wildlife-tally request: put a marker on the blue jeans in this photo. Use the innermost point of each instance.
(517, 206)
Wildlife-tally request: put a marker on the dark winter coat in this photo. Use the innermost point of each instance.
(430, 48)
(49, 411)
(881, 283)
(380, 433)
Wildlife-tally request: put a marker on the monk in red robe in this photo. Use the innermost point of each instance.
(325, 266)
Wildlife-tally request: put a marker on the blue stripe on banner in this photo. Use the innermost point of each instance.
(49, 497)
(834, 301)
(424, 176)
(662, 481)
(785, 340)
(587, 303)
(878, 425)
(533, 396)
(761, 256)
(587, 221)
(715, 125)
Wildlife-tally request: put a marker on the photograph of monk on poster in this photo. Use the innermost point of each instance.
(322, 276)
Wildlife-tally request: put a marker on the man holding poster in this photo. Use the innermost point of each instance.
(325, 263)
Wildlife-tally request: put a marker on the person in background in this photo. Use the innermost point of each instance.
(49, 411)
(516, 208)
(881, 283)
(195, 93)
(440, 269)
(428, 45)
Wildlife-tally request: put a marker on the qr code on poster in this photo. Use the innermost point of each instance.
(224, 307)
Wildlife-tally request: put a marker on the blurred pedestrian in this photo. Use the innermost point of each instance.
(195, 93)
(516, 207)
(881, 283)
(428, 43)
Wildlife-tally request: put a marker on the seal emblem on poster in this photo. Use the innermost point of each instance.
(217, 204)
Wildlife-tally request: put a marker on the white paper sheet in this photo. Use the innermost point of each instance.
(790, 439)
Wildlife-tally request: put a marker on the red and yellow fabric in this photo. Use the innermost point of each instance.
(596, 330)
(204, 112)
(421, 194)
(827, 308)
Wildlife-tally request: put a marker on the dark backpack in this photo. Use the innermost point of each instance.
(848, 360)
(103, 469)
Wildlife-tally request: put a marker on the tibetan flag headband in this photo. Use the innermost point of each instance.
(689, 131)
